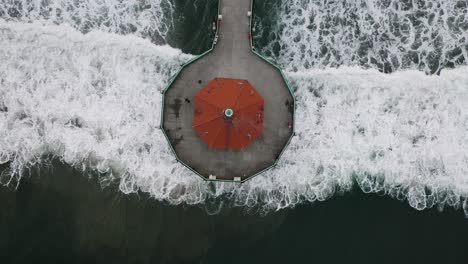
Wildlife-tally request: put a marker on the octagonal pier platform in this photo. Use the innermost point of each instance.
(230, 57)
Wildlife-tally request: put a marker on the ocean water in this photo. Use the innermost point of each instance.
(381, 89)
(182, 24)
(388, 35)
(59, 216)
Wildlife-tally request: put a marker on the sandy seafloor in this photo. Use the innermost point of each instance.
(378, 171)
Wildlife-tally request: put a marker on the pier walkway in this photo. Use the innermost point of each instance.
(231, 57)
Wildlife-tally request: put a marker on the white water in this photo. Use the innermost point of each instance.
(94, 101)
(145, 18)
(82, 97)
(385, 34)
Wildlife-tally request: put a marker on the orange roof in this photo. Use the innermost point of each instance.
(228, 113)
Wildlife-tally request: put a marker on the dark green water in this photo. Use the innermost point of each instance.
(60, 216)
(193, 25)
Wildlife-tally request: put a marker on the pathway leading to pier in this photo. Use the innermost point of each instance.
(231, 58)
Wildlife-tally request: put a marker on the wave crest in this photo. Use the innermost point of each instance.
(151, 19)
(93, 101)
(383, 34)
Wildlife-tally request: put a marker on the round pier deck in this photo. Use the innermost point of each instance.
(231, 57)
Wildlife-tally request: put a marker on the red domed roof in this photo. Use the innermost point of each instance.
(228, 113)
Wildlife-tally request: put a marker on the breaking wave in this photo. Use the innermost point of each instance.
(87, 99)
(388, 35)
(91, 98)
(152, 19)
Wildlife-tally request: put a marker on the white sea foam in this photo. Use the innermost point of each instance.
(88, 99)
(151, 19)
(402, 134)
(94, 102)
(385, 34)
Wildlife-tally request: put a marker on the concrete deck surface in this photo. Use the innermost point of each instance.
(231, 58)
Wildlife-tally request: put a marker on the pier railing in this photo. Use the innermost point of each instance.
(254, 51)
